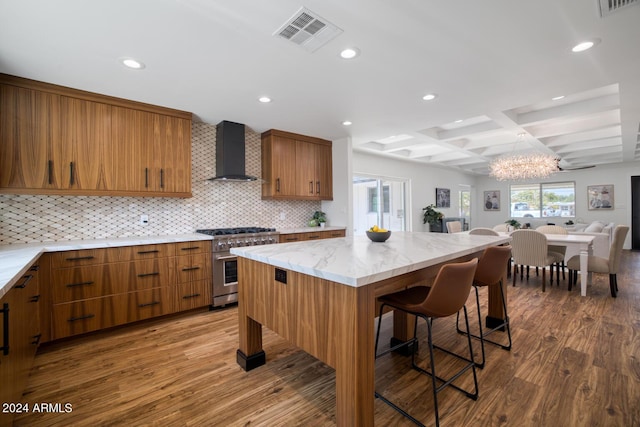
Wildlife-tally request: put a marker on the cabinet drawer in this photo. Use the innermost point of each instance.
(148, 303)
(335, 233)
(294, 237)
(147, 251)
(193, 295)
(84, 316)
(150, 273)
(315, 235)
(186, 248)
(193, 267)
(90, 281)
(83, 257)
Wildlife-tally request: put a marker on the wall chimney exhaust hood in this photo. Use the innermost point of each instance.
(230, 153)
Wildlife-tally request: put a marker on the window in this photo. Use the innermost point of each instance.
(549, 200)
(373, 199)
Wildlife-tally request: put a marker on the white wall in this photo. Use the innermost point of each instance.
(338, 210)
(618, 175)
(423, 180)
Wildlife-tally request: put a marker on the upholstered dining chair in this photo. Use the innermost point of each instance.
(489, 273)
(558, 251)
(446, 297)
(454, 226)
(483, 231)
(529, 248)
(501, 228)
(602, 265)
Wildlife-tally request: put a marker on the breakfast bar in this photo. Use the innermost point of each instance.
(321, 297)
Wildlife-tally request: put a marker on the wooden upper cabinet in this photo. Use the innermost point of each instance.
(56, 140)
(171, 170)
(82, 156)
(296, 167)
(29, 127)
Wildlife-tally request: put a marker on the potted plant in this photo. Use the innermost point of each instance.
(514, 224)
(319, 218)
(433, 218)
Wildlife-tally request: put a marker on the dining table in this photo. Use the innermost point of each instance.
(583, 243)
(321, 296)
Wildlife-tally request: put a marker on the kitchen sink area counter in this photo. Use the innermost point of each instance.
(15, 259)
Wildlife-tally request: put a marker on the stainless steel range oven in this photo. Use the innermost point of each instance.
(225, 265)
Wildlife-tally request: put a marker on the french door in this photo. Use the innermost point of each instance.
(379, 201)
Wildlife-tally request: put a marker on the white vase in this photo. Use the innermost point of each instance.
(322, 225)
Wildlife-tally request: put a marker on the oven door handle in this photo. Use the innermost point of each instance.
(219, 258)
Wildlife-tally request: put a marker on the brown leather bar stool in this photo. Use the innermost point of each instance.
(446, 297)
(489, 273)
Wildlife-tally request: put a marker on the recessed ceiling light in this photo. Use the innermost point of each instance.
(557, 98)
(347, 123)
(430, 97)
(349, 53)
(264, 99)
(582, 46)
(458, 121)
(132, 63)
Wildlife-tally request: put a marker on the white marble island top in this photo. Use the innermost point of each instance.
(357, 261)
(15, 259)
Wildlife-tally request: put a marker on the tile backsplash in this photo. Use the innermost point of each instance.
(29, 218)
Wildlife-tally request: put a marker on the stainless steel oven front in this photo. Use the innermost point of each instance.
(225, 265)
(225, 278)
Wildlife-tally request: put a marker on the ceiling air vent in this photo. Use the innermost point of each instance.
(308, 30)
(607, 7)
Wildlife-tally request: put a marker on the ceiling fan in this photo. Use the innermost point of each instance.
(573, 168)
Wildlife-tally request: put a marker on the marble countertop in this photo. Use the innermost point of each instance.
(357, 261)
(309, 229)
(15, 259)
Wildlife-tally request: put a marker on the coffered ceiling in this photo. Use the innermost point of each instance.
(494, 66)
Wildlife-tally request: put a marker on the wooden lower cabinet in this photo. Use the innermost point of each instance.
(96, 289)
(19, 338)
(192, 295)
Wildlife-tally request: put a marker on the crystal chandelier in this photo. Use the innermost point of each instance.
(521, 166)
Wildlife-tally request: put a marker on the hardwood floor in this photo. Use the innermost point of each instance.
(575, 362)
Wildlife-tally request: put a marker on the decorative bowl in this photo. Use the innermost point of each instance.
(377, 236)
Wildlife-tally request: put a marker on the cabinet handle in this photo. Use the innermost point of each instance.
(190, 248)
(50, 171)
(71, 285)
(190, 268)
(154, 251)
(318, 187)
(161, 178)
(148, 304)
(310, 187)
(155, 273)
(146, 177)
(35, 298)
(317, 236)
(34, 268)
(80, 258)
(291, 239)
(277, 185)
(71, 174)
(27, 279)
(5, 329)
(191, 296)
(85, 317)
(36, 339)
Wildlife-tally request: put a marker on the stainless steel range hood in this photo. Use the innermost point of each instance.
(230, 153)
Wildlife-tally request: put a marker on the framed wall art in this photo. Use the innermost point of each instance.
(491, 200)
(443, 198)
(600, 197)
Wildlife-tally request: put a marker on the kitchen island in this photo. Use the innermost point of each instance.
(321, 296)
